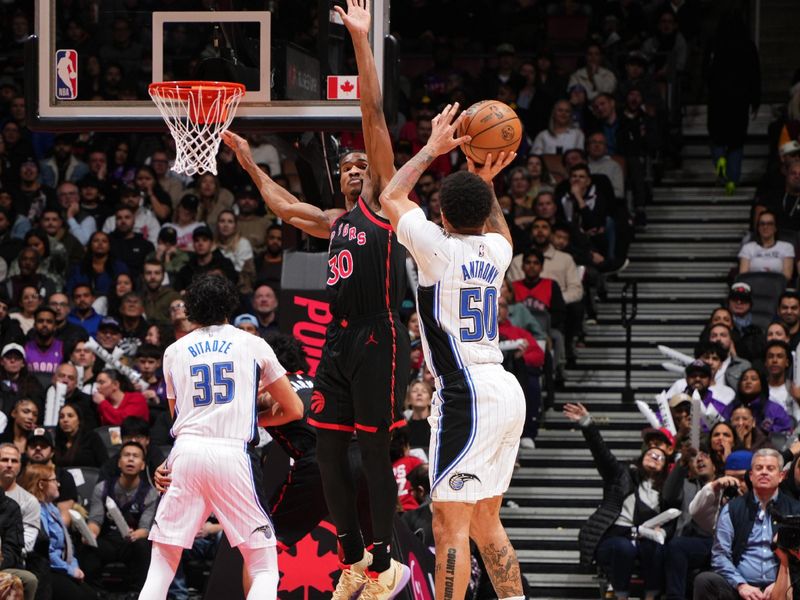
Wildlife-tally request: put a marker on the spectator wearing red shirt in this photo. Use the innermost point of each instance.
(538, 293)
(533, 357)
(113, 404)
(402, 464)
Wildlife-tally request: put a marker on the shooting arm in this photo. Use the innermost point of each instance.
(394, 199)
(496, 223)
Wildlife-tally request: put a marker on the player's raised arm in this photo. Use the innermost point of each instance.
(373, 122)
(496, 223)
(394, 199)
(307, 217)
(286, 404)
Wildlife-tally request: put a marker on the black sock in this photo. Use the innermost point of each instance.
(381, 556)
(351, 547)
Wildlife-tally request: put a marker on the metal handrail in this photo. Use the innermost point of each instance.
(630, 288)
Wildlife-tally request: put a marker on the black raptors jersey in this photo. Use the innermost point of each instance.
(297, 438)
(366, 265)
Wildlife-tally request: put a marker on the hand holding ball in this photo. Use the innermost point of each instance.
(494, 128)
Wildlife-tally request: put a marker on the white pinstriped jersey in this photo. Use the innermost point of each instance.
(213, 374)
(459, 279)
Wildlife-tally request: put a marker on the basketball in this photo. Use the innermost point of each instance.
(493, 126)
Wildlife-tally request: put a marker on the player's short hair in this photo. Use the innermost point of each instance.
(210, 300)
(289, 351)
(466, 200)
(134, 427)
(345, 152)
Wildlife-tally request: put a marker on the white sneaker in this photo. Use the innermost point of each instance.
(353, 579)
(527, 443)
(386, 585)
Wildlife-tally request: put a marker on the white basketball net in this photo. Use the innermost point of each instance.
(196, 117)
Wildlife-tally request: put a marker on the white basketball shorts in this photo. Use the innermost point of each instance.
(213, 475)
(476, 422)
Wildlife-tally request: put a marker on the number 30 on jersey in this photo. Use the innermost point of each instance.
(341, 265)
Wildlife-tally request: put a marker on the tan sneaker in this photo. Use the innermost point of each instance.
(386, 585)
(353, 579)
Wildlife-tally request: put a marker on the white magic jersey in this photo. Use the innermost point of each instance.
(460, 277)
(213, 374)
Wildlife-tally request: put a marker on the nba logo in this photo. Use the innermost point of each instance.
(66, 74)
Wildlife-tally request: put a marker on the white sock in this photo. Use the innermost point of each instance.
(514, 598)
(262, 565)
(164, 561)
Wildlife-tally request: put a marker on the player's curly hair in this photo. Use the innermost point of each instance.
(211, 300)
(289, 351)
(466, 200)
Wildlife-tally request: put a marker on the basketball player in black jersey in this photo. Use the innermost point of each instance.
(361, 379)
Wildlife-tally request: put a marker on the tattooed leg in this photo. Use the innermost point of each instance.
(496, 550)
(451, 536)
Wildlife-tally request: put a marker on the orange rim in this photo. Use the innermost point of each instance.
(205, 95)
(184, 89)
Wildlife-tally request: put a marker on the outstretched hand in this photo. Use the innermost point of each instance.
(575, 412)
(357, 17)
(490, 168)
(444, 127)
(238, 144)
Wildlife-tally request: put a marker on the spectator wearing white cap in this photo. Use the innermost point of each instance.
(766, 253)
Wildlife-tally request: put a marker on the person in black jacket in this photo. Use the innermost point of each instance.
(76, 444)
(12, 537)
(204, 259)
(10, 331)
(631, 495)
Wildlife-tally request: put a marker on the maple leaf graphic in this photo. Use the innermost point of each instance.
(312, 563)
(347, 86)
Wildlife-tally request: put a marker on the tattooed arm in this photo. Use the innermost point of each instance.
(394, 199)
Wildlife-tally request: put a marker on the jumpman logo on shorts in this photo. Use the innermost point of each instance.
(371, 339)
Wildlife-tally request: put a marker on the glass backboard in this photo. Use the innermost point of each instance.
(89, 64)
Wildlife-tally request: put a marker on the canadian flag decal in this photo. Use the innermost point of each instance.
(343, 87)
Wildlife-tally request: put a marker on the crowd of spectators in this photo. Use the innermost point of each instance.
(733, 472)
(98, 238)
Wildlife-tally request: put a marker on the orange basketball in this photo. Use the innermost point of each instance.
(494, 128)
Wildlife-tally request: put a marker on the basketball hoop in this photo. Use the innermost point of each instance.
(196, 112)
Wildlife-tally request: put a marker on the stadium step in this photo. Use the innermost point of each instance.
(681, 262)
